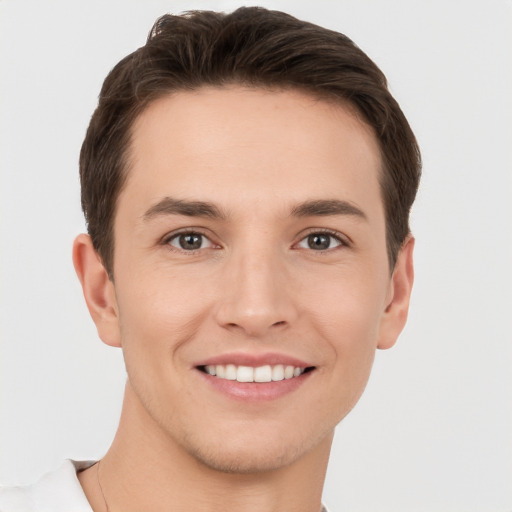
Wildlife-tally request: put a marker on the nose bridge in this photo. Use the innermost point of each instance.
(256, 293)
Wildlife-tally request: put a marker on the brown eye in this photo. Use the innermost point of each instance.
(189, 241)
(320, 242)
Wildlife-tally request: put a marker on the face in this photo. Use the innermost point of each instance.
(249, 246)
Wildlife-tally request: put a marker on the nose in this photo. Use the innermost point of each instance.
(257, 295)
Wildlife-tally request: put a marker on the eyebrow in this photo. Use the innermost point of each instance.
(326, 207)
(313, 208)
(171, 206)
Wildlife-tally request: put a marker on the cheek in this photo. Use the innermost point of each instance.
(348, 325)
(350, 335)
(348, 307)
(160, 310)
(158, 314)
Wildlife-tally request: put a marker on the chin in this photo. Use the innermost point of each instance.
(246, 460)
(254, 453)
(231, 444)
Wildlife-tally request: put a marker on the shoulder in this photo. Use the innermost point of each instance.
(58, 491)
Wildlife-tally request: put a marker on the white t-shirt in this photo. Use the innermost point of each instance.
(58, 491)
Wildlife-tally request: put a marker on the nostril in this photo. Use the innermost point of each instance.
(282, 322)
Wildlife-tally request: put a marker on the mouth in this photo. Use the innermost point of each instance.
(258, 374)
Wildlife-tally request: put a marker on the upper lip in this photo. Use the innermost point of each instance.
(254, 360)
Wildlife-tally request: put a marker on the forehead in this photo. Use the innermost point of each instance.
(246, 145)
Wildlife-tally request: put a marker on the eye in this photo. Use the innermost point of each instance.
(189, 241)
(320, 242)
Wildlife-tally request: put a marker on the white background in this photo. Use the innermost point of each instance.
(433, 431)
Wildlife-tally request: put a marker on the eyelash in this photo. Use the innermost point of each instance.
(340, 239)
(168, 239)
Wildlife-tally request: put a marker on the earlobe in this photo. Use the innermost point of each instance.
(98, 290)
(395, 313)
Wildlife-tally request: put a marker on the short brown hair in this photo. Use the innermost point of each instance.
(255, 47)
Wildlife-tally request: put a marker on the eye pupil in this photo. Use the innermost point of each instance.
(190, 241)
(318, 241)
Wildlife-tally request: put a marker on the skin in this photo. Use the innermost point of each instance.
(256, 286)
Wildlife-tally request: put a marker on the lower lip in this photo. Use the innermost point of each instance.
(256, 391)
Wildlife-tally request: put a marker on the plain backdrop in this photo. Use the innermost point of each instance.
(433, 431)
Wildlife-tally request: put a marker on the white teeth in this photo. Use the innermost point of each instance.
(265, 373)
(288, 372)
(230, 372)
(245, 374)
(278, 372)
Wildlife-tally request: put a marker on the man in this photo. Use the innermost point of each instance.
(246, 181)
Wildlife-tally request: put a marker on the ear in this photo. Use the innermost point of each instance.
(400, 286)
(99, 291)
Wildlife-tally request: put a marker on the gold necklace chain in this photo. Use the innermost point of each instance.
(99, 484)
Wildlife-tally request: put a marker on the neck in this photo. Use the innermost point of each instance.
(147, 470)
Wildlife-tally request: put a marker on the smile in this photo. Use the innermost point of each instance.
(266, 373)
